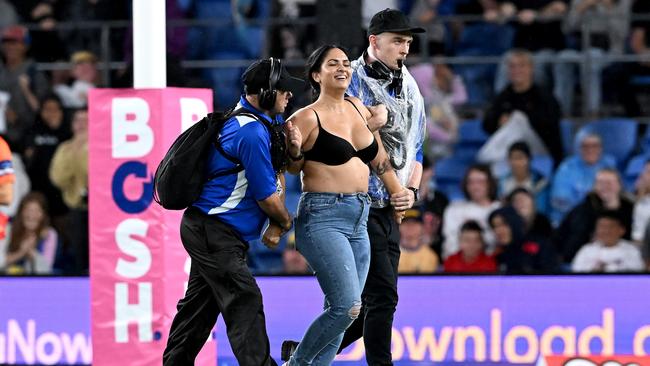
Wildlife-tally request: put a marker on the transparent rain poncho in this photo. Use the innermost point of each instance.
(403, 134)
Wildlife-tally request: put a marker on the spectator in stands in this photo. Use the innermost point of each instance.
(441, 90)
(537, 225)
(293, 261)
(538, 29)
(86, 77)
(641, 215)
(49, 131)
(578, 226)
(46, 44)
(607, 21)
(7, 180)
(33, 242)
(621, 75)
(609, 252)
(434, 203)
(574, 178)
(8, 14)
(425, 13)
(416, 255)
(21, 187)
(471, 257)
(521, 175)
(25, 85)
(95, 10)
(524, 95)
(515, 251)
(480, 191)
(69, 172)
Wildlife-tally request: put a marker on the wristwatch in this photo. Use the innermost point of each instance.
(416, 193)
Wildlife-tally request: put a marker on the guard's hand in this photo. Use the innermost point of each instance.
(271, 236)
(402, 200)
(294, 139)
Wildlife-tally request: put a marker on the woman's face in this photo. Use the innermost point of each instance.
(335, 71)
(52, 114)
(502, 232)
(32, 215)
(477, 185)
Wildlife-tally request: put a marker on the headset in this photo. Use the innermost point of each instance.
(266, 97)
(379, 70)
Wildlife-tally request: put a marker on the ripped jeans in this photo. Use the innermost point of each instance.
(332, 234)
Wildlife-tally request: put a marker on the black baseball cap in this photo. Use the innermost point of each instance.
(391, 20)
(258, 74)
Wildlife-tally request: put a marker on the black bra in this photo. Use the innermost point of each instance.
(330, 149)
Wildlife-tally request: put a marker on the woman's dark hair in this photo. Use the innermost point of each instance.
(18, 230)
(492, 184)
(314, 63)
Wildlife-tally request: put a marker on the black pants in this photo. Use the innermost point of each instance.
(78, 223)
(220, 282)
(379, 296)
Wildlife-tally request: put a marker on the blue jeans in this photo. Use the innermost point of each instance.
(332, 234)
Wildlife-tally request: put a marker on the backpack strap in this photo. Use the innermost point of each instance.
(238, 166)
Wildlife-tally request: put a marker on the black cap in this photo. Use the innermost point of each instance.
(391, 20)
(257, 75)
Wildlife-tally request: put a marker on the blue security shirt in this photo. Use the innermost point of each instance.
(233, 197)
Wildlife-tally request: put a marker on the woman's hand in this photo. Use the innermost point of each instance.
(294, 140)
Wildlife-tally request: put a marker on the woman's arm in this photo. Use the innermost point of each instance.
(299, 128)
(294, 148)
(384, 170)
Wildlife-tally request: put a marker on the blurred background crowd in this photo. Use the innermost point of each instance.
(537, 151)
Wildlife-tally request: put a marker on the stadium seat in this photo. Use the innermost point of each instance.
(633, 169)
(567, 128)
(449, 175)
(465, 152)
(471, 132)
(645, 140)
(640, 80)
(618, 135)
(542, 164)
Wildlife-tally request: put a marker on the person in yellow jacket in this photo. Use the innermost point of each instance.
(69, 172)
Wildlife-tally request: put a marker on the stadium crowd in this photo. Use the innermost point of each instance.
(538, 162)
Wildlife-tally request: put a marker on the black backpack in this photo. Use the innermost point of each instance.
(180, 176)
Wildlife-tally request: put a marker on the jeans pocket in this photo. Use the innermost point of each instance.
(321, 204)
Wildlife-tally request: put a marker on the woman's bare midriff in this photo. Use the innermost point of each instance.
(351, 177)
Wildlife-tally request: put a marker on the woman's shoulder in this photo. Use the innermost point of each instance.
(358, 104)
(303, 115)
